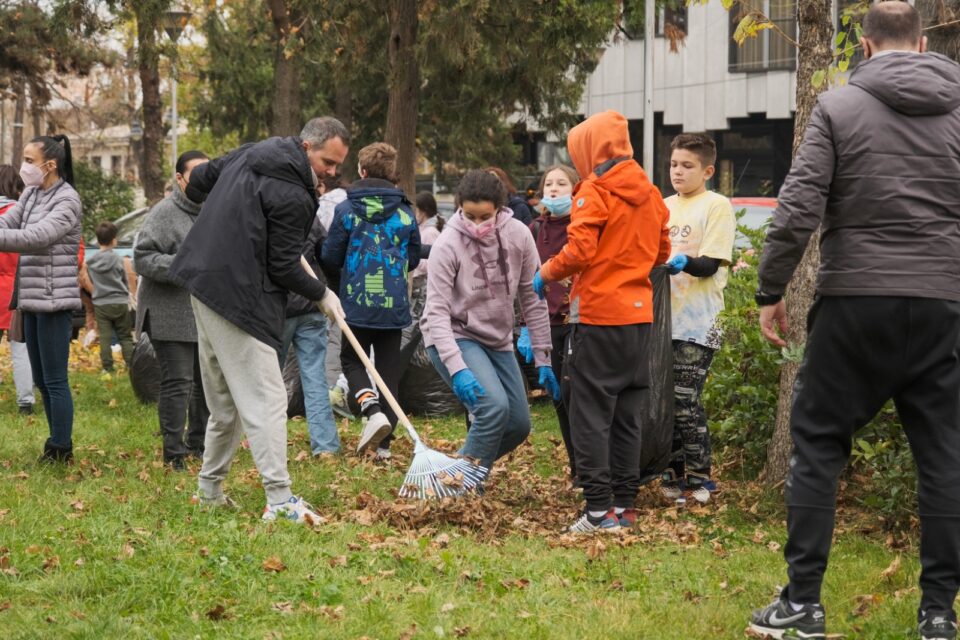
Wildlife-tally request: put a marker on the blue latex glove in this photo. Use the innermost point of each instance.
(549, 382)
(538, 285)
(524, 346)
(676, 264)
(466, 387)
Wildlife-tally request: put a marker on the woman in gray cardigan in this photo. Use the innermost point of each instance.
(164, 313)
(44, 227)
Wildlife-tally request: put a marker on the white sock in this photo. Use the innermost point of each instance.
(619, 510)
(596, 514)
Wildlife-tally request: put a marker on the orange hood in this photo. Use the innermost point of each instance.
(601, 137)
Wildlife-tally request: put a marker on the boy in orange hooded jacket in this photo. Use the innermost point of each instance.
(618, 232)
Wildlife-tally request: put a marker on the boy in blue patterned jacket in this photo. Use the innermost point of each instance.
(374, 243)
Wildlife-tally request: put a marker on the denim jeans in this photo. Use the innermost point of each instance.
(48, 343)
(501, 416)
(308, 334)
(181, 398)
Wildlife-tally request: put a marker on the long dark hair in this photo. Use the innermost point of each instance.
(57, 148)
(11, 185)
(427, 205)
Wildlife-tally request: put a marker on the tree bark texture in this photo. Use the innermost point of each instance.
(285, 107)
(404, 90)
(946, 39)
(19, 108)
(815, 36)
(148, 62)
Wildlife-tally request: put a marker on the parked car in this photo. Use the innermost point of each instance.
(128, 226)
(757, 215)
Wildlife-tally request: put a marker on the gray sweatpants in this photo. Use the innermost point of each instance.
(245, 394)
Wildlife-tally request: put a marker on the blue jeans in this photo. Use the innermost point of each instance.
(48, 344)
(308, 334)
(502, 415)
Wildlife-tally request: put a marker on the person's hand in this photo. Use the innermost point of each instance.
(467, 388)
(772, 318)
(539, 286)
(676, 264)
(330, 305)
(549, 382)
(524, 346)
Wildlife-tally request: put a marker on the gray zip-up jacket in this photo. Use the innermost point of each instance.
(163, 308)
(44, 227)
(879, 169)
(109, 277)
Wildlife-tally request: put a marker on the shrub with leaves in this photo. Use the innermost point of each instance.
(104, 196)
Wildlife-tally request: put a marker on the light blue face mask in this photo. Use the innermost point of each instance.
(558, 206)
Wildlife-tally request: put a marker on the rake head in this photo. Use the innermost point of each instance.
(436, 475)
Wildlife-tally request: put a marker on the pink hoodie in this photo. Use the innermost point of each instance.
(467, 300)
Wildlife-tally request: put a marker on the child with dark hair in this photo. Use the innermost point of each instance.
(373, 243)
(107, 271)
(702, 227)
(478, 266)
(515, 202)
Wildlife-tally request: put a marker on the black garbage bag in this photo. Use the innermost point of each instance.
(145, 371)
(657, 404)
(291, 380)
(422, 391)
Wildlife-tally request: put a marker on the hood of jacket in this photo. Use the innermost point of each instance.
(104, 261)
(915, 84)
(600, 138)
(284, 159)
(462, 225)
(6, 202)
(375, 200)
(180, 199)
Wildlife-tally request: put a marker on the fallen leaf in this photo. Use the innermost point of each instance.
(889, 572)
(442, 540)
(773, 546)
(447, 607)
(126, 551)
(865, 603)
(51, 563)
(273, 564)
(204, 552)
(303, 455)
(80, 562)
(219, 612)
(409, 633)
(461, 632)
(78, 505)
(282, 607)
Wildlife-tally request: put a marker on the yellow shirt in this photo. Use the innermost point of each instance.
(703, 225)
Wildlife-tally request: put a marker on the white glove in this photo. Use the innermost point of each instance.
(330, 305)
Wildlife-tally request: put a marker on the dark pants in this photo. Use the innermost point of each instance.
(607, 372)
(181, 395)
(386, 350)
(559, 335)
(48, 344)
(862, 351)
(114, 318)
(690, 455)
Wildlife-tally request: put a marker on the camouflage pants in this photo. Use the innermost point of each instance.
(690, 458)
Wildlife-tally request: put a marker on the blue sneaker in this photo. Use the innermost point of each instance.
(608, 523)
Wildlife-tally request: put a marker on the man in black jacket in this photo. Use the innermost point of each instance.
(238, 262)
(878, 171)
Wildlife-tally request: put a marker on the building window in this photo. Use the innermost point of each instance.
(769, 51)
(670, 19)
(116, 165)
(95, 161)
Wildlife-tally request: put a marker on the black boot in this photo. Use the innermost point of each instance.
(54, 454)
(49, 454)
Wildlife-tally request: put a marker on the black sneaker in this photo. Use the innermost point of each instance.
(177, 464)
(26, 409)
(937, 625)
(779, 619)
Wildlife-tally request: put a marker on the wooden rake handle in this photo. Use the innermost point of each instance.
(384, 391)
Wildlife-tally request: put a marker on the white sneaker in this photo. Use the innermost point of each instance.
(375, 429)
(702, 493)
(383, 454)
(296, 509)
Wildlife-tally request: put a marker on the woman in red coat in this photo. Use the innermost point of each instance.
(10, 188)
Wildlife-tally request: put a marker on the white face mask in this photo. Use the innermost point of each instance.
(32, 175)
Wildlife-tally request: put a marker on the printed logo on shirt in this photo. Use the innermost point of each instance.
(580, 202)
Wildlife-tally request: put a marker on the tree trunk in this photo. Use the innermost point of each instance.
(285, 107)
(151, 165)
(19, 108)
(945, 40)
(815, 36)
(404, 89)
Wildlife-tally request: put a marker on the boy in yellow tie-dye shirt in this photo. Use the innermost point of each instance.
(702, 227)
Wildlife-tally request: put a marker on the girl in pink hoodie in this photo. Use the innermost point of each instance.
(477, 268)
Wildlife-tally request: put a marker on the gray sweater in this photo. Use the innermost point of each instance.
(163, 308)
(109, 278)
(44, 227)
(879, 169)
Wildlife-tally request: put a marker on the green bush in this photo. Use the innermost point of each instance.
(104, 196)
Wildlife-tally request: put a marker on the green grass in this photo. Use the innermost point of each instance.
(112, 547)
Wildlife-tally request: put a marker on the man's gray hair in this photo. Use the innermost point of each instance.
(319, 130)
